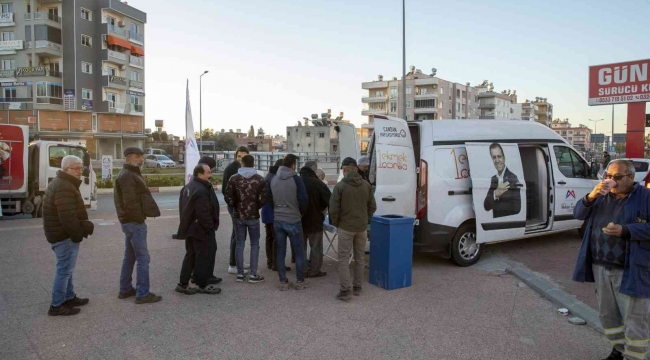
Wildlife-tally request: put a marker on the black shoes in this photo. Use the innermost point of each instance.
(356, 290)
(63, 311)
(344, 295)
(150, 298)
(615, 355)
(76, 302)
(317, 275)
(126, 294)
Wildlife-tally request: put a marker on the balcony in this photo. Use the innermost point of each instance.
(115, 82)
(136, 84)
(7, 74)
(486, 105)
(376, 98)
(136, 61)
(427, 95)
(44, 47)
(374, 112)
(119, 108)
(375, 85)
(137, 108)
(429, 81)
(7, 19)
(37, 71)
(16, 103)
(425, 110)
(41, 18)
(116, 56)
(112, 29)
(136, 38)
(49, 100)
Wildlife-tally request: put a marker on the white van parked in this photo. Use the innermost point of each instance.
(472, 182)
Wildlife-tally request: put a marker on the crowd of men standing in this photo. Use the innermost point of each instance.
(292, 206)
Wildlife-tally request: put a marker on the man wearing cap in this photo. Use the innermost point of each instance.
(134, 204)
(351, 207)
(363, 163)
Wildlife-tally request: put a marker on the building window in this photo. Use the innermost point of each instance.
(457, 93)
(110, 71)
(86, 40)
(393, 107)
(7, 64)
(335, 148)
(135, 29)
(408, 91)
(430, 103)
(86, 14)
(408, 104)
(10, 93)
(307, 134)
(441, 104)
(7, 36)
(7, 8)
(111, 98)
(442, 90)
(86, 68)
(86, 94)
(135, 76)
(48, 89)
(321, 135)
(393, 93)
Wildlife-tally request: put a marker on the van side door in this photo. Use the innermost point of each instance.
(348, 143)
(498, 191)
(392, 167)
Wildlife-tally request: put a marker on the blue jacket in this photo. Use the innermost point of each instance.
(636, 273)
(267, 210)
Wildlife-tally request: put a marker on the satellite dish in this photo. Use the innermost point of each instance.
(314, 116)
(434, 71)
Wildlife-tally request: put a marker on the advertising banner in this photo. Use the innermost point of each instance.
(81, 122)
(192, 154)
(109, 123)
(619, 83)
(107, 167)
(53, 121)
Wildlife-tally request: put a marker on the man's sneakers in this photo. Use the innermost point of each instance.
(186, 290)
(62, 311)
(212, 280)
(317, 275)
(254, 279)
(241, 278)
(301, 285)
(126, 294)
(76, 302)
(344, 295)
(233, 270)
(615, 355)
(285, 285)
(209, 290)
(150, 298)
(356, 290)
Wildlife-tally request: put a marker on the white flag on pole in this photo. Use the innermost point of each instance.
(192, 154)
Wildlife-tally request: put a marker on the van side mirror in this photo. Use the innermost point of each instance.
(594, 169)
(86, 159)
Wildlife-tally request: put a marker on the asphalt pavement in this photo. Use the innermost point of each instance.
(449, 312)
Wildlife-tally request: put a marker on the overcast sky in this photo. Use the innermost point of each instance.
(271, 63)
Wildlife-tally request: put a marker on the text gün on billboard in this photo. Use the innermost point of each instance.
(619, 83)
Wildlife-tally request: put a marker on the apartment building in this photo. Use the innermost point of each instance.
(544, 111)
(525, 111)
(73, 70)
(493, 105)
(579, 137)
(428, 97)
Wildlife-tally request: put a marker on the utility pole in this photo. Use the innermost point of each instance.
(404, 58)
(611, 140)
(595, 124)
(201, 111)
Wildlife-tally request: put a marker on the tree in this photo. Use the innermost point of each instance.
(620, 148)
(163, 136)
(225, 142)
(251, 132)
(155, 136)
(207, 134)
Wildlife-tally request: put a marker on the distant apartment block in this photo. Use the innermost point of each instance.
(579, 137)
(544, 111)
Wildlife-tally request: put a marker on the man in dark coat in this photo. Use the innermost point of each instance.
(503, 197)
(312, 221)
(199, 220)
(227, 173)
(134, 204)
(268, 219)
(65, 222)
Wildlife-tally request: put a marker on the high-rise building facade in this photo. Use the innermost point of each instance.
(73, 70)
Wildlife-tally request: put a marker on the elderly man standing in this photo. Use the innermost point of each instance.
(65, 222)
(134, 204)
(363, 163)
(318, 195)
(615, 254)
(351, 207)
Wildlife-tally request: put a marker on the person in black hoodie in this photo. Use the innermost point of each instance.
(65, 222)
(199, 220)
(268, 219)
(134, 204)
(312, 221)
(227, 173)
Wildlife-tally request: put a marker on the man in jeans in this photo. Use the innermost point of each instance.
(199, 219)
(615, 254)
(351, 207)
(312, 222)
(65, 222)
(246, 193)
(134, 204)
(227, 173)
(288, 199)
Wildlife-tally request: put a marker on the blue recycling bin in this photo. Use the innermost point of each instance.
(391, 251)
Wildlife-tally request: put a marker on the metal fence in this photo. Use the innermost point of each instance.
(264, 160)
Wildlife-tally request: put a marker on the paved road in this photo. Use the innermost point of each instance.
(448, 313)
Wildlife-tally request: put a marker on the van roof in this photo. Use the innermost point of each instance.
(446, 131)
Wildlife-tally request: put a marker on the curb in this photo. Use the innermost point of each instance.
(167, 189)
(557, 296)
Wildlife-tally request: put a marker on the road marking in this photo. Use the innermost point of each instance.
(32, 227)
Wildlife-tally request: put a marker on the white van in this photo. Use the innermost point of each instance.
(471, 182)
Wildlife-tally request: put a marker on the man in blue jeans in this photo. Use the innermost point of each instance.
(227, 173)
(65, 222)
(246, 193)
(288, 199)
(134, 204)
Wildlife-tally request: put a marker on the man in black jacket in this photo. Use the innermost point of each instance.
(199, 219)
(134, 204)
(312, 221)
(227, 173)
(65, 222)
(503, 197)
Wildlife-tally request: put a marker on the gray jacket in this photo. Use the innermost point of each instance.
(287, 196)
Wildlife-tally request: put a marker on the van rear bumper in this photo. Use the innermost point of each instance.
(430, 237)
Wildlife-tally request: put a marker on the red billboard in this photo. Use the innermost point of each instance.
(13, 159)
(619, 83)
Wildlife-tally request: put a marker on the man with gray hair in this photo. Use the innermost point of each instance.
(318, 195)
(363, 164)
(615, 254)
(66, 224)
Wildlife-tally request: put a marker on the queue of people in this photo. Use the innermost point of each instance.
(291, 205)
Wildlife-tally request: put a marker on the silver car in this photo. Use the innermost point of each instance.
(159, 161)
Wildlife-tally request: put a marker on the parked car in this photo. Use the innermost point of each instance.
(641, 167)
(159, 161)
(155, 152)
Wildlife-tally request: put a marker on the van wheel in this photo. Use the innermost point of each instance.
(464, 249)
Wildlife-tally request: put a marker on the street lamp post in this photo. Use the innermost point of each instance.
(404, 57)
(201, 111)
(595, 124)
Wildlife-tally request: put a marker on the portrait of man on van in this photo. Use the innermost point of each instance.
(503, 197)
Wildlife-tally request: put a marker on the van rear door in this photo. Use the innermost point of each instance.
(498, 191)
(348, 143)
(392, 167)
